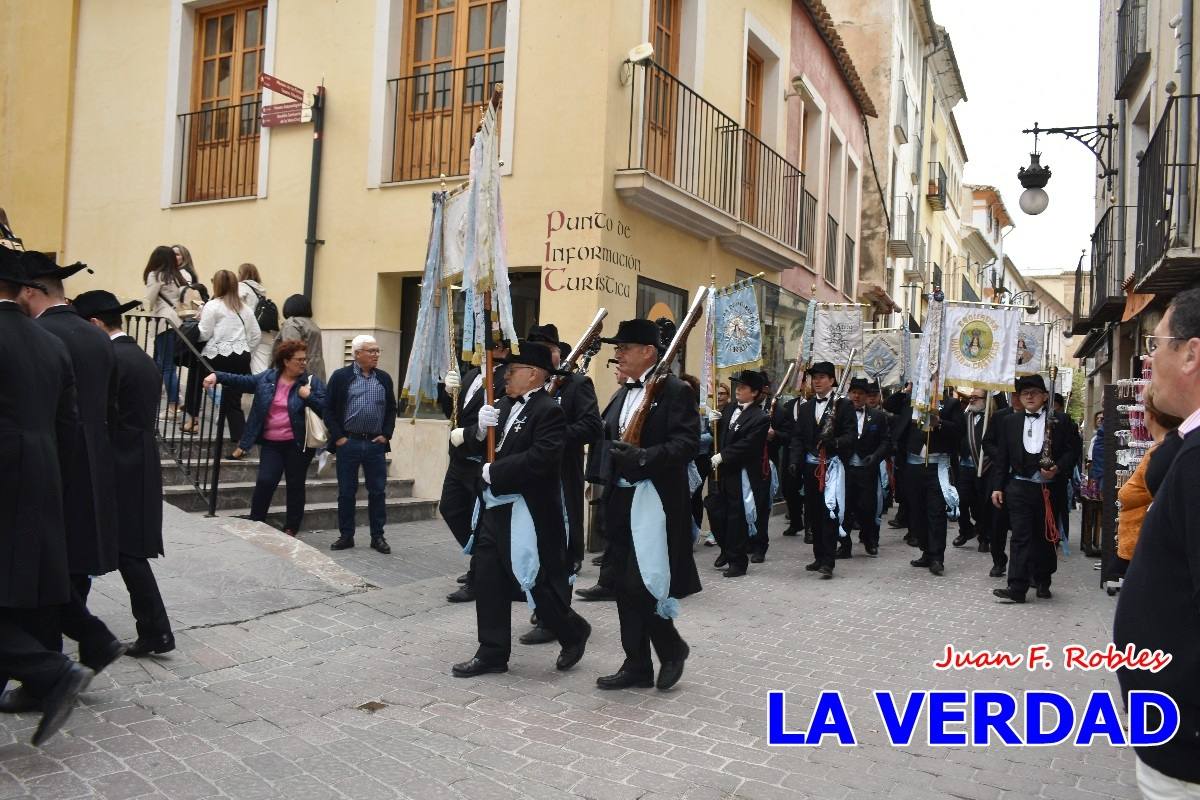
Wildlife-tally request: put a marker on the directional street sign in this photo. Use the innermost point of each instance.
(283, 114)
(280, 87)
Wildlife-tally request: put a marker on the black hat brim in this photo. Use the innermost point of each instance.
(59, 273)
(118, 309)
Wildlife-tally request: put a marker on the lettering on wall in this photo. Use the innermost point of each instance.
(558, 278)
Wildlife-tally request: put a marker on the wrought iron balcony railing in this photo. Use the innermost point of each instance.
(1166, 255)
(1132, 53)
(831, 248)
(218, 150)
(935, 192)
(808, 222)
(902, 239)
(848, 265)
(1108, 267)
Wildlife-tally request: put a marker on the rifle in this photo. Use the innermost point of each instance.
(654, 383)
(787, 376)
(586, 349)
(7, 237)
(830, 414)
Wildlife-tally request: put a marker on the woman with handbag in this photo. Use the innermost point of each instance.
(166, 283)
(230, 333)
(285, 421)
(251, 290)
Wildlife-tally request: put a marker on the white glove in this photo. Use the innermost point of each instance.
(716, 461)
(714, 415)
(453, 382)
(487, 474)
(489, 417)
(456, 437)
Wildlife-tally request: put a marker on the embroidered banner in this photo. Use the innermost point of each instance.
(1031, 348)
(738, 328)
(979, 346)
(432, 349)
(881, 357)
(836, 332)
(927, 386)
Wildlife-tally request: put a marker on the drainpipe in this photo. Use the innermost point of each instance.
(1183, 214)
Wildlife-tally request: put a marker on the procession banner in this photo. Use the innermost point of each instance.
(454, 234)
(806, 338)
(836, 331)
(430, 357)
(738, 329)
(708, 369)
(1031, 348)
(979, 346)
(881, 356)
(926, 386)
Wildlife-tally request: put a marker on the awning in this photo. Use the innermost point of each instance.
(881, 302)
(1092, 342)
(1135, 303)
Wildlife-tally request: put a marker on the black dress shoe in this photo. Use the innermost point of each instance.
(813, 567)
(97, 660)
(537, 635)
(872, 550)
(60, 702)
(911, 541)
(790, 532)
(984, 547)
(596, 593)
(721, 561)
(379, 543)
(463, 578)
(623, 679)
(757, 558)
(1009, 595)
(897, 523)
(671, 671)
(807, 538)
(826, 572)
(463, 594)
(735, 572)
(996, 572)
(155, 646)
(1043, 593)
(342, 544)
(843, 551)
(923, 561)
(937, 567)
(476, 666)
(598, 561)
(19, 700)
(959, 541)
(569, 656)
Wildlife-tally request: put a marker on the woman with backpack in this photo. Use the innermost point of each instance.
(230, 333)
(252, 294)
(166, 281)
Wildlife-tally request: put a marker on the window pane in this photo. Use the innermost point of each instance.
(253, 19)
(209, 80)
(445, 35)
(423, 50)
(476, 29)
(227, 33)
(210, 36)
(424, 5)
(224, 65)
(446, 3)
(474, 79)
(499, 10)
(249, 71)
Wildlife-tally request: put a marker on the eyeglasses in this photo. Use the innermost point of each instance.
(371, 351)
(511, 368)
(1152, 342)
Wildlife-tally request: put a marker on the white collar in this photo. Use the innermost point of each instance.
(116, 334)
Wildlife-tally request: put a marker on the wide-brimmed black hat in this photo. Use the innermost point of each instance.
(100, 301)
(12, 269)
(533, 354)
(39, 265)
(823, 368)
(864, 385)
(1031, 382)
(752, 378)
(635, 331)
(548, 334)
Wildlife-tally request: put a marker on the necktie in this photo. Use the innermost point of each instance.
(634, 384)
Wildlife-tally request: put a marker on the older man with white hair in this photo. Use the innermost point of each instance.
(361, 416)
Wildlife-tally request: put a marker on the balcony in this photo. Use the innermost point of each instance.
(1080, 310)
(219, 148)
(693, 166)
(808, 222)
(900, 123)
(935, 192)
(1166, 256)
(902, 239)
(934, 271)
(848, 266)
(1132, 55)
(433, 117)
(831, 243)
(1108, 268)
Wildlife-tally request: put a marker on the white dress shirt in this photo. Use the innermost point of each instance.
(1035, 431)
(819, 404)
(633, 398)
(737, 412)
(862, 418)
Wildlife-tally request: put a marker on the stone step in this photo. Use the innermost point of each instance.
(245, 469)
(323, 516)
(237, 494)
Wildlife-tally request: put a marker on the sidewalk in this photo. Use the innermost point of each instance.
(295, 679)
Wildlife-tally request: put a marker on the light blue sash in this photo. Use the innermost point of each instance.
(881, 493)
(523, 552)
(774, 482)
(694, 479)
(835, 492)
(648, 525)
(948, 491)
(749, 508)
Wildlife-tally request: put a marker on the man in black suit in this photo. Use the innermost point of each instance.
(461, 484)
(1021, 475)
(783, 422)
(139, 472)
(89, 482)
(521, 535)
(657, 468)
(999, 527)
(823, 426)
(929, 477)
(741, 457)
(898, 405)
(975, 502)
(862, 455)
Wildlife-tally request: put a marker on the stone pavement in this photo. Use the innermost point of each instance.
(294, 679)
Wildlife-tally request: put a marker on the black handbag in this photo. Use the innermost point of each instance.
(189, 329)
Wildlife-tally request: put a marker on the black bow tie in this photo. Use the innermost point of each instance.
(822, 399)
(743, 406)
(518, 400)
(634, 384)
(1032, 416)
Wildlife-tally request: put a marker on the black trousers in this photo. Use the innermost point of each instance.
(824, 530)
(729, 526)
(926, 509)
(281, 460)
(27, 651)
(641, 627)
(144, 598)
(998, 541)
(974, 505)
(494, 589)
(231, 399)
(793, 496)
(78, 623)
(862, 500)
(1032, 558)
(457, 505)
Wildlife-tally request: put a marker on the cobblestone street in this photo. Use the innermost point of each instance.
(282, 658)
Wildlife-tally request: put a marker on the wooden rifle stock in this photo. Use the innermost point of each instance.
(588, 346)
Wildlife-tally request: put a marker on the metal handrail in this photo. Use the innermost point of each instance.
(199, 462)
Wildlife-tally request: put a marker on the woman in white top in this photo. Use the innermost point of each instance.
(165, 283)
(229, 333)
(251, 291)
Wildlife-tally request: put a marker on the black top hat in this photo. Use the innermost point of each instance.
(823, 368)
(1031, 382)
(533, 354)
(1058, 398)
(99, 301)
(548, 334)
(40, 265)
(752, 378)
(635, 331)
(864, 385)
(12, 269)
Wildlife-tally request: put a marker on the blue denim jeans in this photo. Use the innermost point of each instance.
(372, 457)
(164, 357)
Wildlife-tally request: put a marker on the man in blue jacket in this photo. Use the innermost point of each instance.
(361, 416)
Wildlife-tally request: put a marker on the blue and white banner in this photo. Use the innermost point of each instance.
(432, 349)
(837, 331)
(979, 346)
(1031, 348)
(738, 329)
(881, 356)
